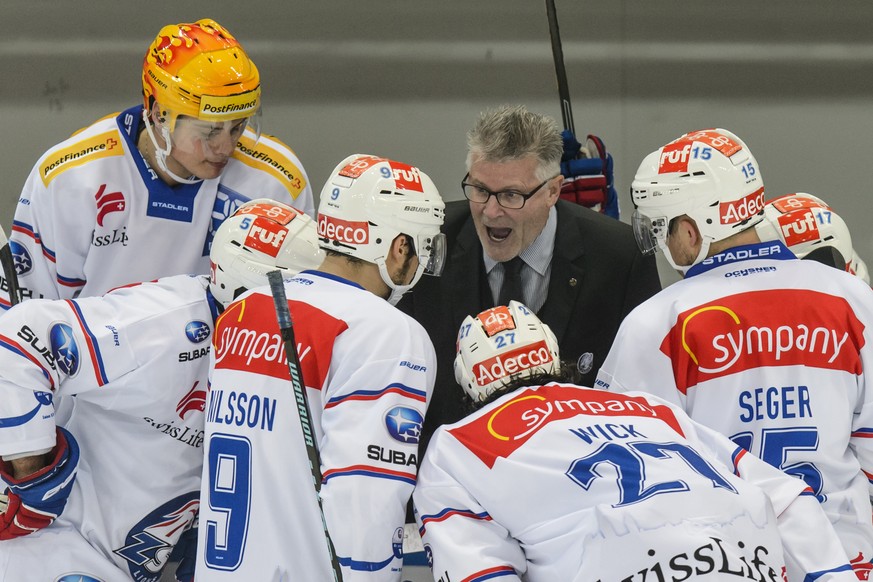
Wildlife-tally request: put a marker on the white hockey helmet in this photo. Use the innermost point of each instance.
(858, 267)
(805, 223)
(368, 201)
(503, 344)
(709, 175)
(261, 236)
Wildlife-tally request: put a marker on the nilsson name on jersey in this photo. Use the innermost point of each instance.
(238, 408)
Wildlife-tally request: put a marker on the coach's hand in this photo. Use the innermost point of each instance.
(38, 499)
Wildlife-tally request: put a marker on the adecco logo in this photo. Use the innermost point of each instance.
(763, 328)
(512, 362)
(343, 231)
(742, 209)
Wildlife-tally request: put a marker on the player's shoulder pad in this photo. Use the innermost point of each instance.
(273, 157)
(99, 140)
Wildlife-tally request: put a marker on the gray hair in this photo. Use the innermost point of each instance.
(511, 132)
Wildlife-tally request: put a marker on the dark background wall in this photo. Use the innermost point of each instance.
(406, 79)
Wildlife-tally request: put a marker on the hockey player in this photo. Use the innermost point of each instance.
(138, 194)
(369, 372)
(771, 351)
(552, 481)
(806, 224)
(137, 360)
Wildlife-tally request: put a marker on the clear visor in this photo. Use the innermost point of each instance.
(436, 255)
(212, 138)
(651, 233)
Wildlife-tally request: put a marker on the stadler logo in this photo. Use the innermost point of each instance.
(197, 331)
(742, 209)
(404, 424)
(343, 231)
(512, 424)
(785, 327)
(512, 362)
(64, 348)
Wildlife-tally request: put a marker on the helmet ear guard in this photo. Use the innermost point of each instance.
(501, 345)
(261, 236)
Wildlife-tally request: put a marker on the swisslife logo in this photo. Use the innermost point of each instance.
(247, 339)
(782, 327)
(501, 431)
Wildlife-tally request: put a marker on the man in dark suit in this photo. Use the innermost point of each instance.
(580, 270)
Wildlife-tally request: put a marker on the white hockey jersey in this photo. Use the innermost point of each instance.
(137, 361)
(776, 354)
(93, 215)
(560, 482)
(369, 372)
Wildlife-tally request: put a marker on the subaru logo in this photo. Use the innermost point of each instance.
(404, 424)
(78, 578)
(64, 348)
(20, 258)
(197, 331)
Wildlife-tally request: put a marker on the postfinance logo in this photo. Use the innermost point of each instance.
(783, 327)
(100, 146)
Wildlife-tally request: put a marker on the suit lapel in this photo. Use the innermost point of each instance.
(567, 275)
(467, 273)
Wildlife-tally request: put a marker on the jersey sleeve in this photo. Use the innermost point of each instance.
(373, 411)
(635, 362)
(459, 535)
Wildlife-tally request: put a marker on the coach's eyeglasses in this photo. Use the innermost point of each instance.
(512, 199)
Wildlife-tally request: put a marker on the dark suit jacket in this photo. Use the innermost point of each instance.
(598, 276)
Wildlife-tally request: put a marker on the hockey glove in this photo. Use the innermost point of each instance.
(588, 175)
(37, 500)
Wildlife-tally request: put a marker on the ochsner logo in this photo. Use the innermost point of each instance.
(745, 331)
(343, 231)
(512, 362)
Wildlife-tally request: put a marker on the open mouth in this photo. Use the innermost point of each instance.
(498, 234)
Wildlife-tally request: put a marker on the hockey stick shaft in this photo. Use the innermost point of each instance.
(560, 71)
(286, 329)
(9, 272)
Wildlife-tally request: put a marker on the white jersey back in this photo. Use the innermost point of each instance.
(774, 353)
(559, 482)
(93, 215)
(369, 371)
(137, 361)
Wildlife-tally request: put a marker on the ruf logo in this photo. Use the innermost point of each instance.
(406, 177)
(108, 202)
(343, 231)
(266, 236)
(743, 209)
(674, 157)
(798, 227)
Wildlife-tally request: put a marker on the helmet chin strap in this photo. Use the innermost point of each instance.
(704, 250)
(397, 291)
(161, 154)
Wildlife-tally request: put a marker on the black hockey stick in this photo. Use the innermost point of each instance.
(560, 71)
(9, 272)
(286, 329)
